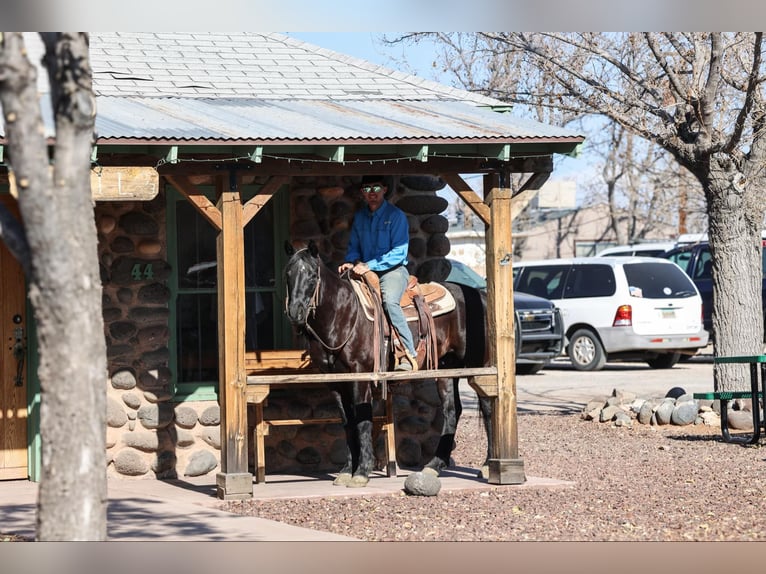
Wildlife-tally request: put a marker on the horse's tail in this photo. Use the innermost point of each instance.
(475, 326)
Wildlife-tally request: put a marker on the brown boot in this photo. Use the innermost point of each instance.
(407, 363)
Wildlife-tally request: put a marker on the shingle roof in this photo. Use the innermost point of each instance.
(247, 64)
(270, 88)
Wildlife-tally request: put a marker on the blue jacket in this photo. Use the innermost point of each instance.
(380, 238)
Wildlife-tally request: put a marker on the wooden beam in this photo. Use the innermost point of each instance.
(534, 182)
(234, 481)
(472, 200)
(520, 201)
(254, 205)
(197, 198)
(355, 164)
(305, 378)
(505, 466)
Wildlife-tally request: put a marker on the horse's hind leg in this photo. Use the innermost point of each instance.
(485, 407)
(451, 409)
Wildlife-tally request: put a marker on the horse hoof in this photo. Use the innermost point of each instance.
(429, 470)
(358, 481)
(343, 479)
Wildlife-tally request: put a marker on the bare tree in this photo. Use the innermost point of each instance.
(698, 96)
(57, 245)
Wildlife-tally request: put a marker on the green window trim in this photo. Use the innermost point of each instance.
(281, 329)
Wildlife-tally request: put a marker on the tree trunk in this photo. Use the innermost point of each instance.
(65, 286)
(735, 244)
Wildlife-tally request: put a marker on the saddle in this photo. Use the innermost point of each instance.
(420, 302)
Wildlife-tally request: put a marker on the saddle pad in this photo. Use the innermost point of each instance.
(438, 306)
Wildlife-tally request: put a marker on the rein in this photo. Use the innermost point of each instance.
(312, 307)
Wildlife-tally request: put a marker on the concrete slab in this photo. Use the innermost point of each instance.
(188, 509)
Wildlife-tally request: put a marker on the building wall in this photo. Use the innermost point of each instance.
(147, 433)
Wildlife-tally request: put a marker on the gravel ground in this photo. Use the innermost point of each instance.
(630, 484)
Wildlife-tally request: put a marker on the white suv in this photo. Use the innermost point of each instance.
(619, 308)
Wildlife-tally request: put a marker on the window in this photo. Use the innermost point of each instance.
(658, 281)
(192, 246)
(544, 281)
(590, 281)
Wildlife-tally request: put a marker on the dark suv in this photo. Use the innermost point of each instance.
(697, 261)
(538, 325)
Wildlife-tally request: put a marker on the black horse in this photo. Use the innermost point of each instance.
(325, 308)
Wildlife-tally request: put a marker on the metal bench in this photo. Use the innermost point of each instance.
(756, 395)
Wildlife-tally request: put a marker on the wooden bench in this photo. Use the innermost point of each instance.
(757, 367)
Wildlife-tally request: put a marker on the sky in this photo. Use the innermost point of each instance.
(368, 46)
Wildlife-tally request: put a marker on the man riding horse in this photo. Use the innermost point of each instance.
(379, 243)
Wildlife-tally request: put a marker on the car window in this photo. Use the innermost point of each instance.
(703, 268)
(544, 281)
(590, 281)
(681, 258)
(658, 281)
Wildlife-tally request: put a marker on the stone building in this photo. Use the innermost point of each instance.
(289, 129)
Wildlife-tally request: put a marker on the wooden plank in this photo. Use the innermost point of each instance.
(504, 466)
(110, 183)
(123, 183)
(197, 198)
(259, 440)
(254, 205)
(472, 200)
(359, 164)
(389, 427)
(278, 360)
(326, 378)
(534, 181)
(231, 345)
(484, 386)
(520, 201)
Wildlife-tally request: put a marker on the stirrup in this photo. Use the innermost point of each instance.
(407, 358)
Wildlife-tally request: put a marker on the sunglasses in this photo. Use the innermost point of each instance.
(372, 188)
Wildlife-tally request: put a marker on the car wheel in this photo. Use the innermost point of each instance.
(585, 351)
(664, 361)
(529, 368)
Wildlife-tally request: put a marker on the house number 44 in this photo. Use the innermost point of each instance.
(141, 272)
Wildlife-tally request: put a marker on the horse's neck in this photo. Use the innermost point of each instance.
(335, 295)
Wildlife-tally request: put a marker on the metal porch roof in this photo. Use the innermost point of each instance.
(312, 121)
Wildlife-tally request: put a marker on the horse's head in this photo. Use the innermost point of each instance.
(301, 279)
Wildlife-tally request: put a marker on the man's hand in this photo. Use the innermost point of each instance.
(360, 268)
(344, 267)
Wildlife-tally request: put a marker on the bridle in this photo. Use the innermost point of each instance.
(311, 311)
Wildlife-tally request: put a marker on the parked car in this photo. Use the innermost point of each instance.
(619, 308)
(639, 249)
(538, 325)
(697, 261)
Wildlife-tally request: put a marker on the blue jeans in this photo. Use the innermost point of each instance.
(392, 286)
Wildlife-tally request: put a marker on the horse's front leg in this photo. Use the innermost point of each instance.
(363, 418)
(451, 409)
(346, 408)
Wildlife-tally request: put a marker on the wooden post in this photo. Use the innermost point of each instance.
(505, 466)
(234, 481)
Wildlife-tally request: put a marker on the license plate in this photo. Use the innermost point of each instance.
(668, 314)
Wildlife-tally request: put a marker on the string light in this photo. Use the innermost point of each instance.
(371, 162)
